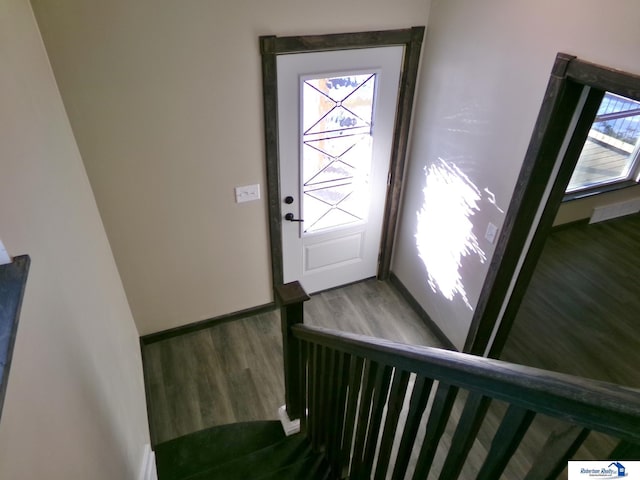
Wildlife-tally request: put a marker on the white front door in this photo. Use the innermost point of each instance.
(336, 117)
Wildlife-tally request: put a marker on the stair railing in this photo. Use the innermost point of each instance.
(380, 409)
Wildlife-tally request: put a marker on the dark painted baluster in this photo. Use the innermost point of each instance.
(364, 412)
(321, 397)
(355, 384)
(328, 394)
(512, 429)
(556, 452)
(396, 400)
(320, 420)
(381, 392)
(625, 451)
(313, 394)
(291, 298)
(438, 417)
(305, 348)
(336, 425)
(471, 419)
(417, 404)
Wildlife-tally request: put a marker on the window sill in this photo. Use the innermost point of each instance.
(598, 189)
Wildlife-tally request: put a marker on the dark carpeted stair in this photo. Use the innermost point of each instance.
(243, 451)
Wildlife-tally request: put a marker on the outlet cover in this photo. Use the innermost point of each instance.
(490, 235)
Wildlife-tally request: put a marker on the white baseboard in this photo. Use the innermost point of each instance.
(148, 466)
(289, 426)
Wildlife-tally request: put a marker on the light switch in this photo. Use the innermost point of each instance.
(247, 193)
(492, 230)
(4, 255)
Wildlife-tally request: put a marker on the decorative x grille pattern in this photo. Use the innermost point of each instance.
(337, 122)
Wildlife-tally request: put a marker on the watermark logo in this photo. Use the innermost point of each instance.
(604, 470)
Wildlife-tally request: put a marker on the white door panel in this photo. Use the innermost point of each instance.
(336, 117)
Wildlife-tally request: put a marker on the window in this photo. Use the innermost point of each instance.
(610, 155)
(337, 136)
(13, 279)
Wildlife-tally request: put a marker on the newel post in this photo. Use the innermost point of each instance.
(291, 298)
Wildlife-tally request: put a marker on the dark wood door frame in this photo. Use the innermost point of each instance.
(571, 101)
(270, 48)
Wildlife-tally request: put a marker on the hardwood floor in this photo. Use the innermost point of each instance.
(581, 313)
(580, 316)
(233, 372)
(369, 308)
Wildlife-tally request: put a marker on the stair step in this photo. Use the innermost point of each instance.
(285, 458)
(313, 467)
(200, 451)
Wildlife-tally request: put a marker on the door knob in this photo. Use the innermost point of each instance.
(289, 216)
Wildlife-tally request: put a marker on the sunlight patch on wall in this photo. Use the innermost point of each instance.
(445, 233)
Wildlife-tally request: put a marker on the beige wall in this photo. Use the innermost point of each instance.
(75, 406)
(485, 69)
(165, 101)
(583, 208)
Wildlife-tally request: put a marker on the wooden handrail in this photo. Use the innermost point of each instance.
(356, 403)
(593, 404)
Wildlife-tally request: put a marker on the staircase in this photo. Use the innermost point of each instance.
(240, 451)
(370, 408)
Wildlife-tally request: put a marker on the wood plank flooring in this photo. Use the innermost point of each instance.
(369, 308)
(581, 312)
(580, 316)
(233, 372)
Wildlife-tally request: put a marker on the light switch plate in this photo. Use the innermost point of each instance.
(247, 193)
(4, 255)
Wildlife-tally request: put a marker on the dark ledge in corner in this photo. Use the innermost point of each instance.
(13, 279)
